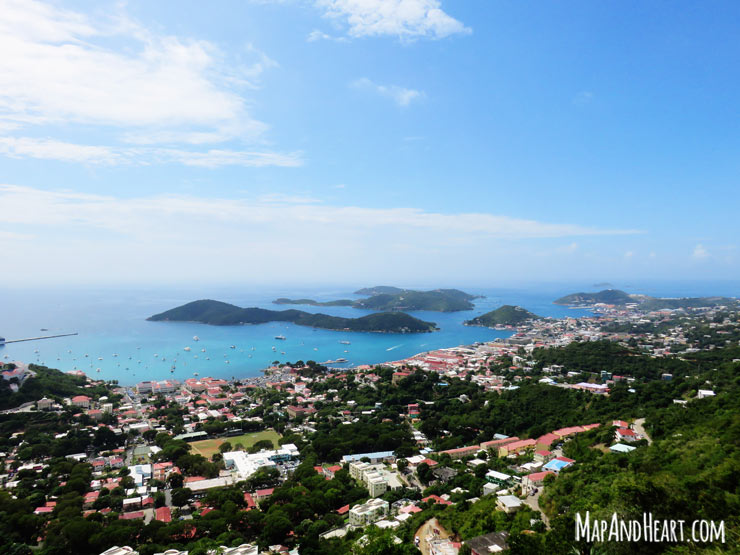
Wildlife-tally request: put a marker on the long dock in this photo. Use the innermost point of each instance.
(37, 338)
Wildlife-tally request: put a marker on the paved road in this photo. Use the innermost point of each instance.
(534, 502)
(638, 425)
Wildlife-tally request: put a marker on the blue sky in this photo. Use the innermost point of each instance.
(396, 141)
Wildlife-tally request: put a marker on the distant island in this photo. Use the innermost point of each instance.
(218, 313)
(607, 296)
(506, 315)
(643, 302)
(387, 298)
(379, 290)
(311, 302)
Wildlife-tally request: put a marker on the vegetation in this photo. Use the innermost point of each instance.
(224, 314)
(47, 382)
(311, 302)
(208, 447)
(392, 298)
(607, 296)
(506, 315)
(617, 297)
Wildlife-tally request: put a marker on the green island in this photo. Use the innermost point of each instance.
(387, 298)
(218, 313)
(607, 296)
(643, 302)
(311, 302)
(506, 315)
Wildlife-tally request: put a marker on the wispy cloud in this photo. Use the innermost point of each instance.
(50, 149)
(400, 95)
(405, 19)
(26, 205)
(81, 234)
(583, 97)
(59, 68)
(700, 253)
(317, 35)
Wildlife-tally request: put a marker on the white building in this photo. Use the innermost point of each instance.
(246, 464)
(367, 513)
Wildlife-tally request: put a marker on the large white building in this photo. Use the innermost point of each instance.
(246, 464)
(375, 477)
(367, 513)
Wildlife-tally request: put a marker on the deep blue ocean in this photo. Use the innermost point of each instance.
(115, 338)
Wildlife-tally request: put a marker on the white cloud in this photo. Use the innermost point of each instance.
(700, 253)
(317, 35)
(99, 237)
(400, 95)
(60, 68)
(26, 205)
(583, 97)
(406, 19)
(50, 149)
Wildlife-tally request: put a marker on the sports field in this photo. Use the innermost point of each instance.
(208, 447)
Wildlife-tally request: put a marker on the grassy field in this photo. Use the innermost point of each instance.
(208, 447)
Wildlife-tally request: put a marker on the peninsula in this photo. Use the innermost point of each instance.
(506, 315)
(644, 302)
(224, 314)
(607, 296)
(388, 298)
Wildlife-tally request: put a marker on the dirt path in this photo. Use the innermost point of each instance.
(638, 425)
(430, 529)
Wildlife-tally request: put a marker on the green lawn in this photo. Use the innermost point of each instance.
(208, 447)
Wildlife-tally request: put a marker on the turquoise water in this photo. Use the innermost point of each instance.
(113, 322)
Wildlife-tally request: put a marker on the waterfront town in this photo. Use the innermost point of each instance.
(177, 458)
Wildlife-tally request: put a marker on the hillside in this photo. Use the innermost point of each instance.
(438, 301)
(223, 314)
(607, 296)
(385, 298)
(617, 297)
(311, 302)
(686, 302)
(379, 290)
(506, 315)
(46, 382)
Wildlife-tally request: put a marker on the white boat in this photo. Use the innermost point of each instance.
(196, 338)
(281, 337)
(233, 347)
(186, 349)
(345, 342)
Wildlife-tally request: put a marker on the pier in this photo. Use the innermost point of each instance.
(6, 341)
